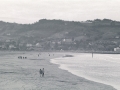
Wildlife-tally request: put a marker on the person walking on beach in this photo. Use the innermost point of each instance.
(43, 72)
(92, 54)
(40, 72)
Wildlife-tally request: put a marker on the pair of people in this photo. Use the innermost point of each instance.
(41, 72)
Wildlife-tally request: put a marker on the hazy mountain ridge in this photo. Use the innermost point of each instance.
(46, 28)
(89, 31)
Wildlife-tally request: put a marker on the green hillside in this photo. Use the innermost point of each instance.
(97, 34)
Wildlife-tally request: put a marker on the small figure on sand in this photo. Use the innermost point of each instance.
(21, 57)
(41, 72)
(49, 54)
(92, 54)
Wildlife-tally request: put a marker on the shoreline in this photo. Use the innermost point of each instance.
(26, 75)
(94, 83)
(67, 51)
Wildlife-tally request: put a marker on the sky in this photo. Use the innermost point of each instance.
(30, 11)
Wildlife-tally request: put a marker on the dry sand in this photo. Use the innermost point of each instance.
(26, 76)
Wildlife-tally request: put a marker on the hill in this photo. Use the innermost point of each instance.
(70, 35)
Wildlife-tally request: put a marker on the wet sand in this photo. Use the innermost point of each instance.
(23, 74)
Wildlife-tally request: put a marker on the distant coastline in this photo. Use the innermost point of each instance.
(65, 51)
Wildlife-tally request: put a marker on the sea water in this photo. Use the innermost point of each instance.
(102, 68)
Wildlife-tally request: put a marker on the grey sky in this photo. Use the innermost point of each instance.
(30, 11)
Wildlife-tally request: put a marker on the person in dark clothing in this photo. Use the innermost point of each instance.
(43, 72)
(40, 72)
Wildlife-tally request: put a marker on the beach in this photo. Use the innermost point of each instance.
(23, 74)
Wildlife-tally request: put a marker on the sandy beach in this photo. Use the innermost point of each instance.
(24, 74)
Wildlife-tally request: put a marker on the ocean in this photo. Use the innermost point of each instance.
(101, 68)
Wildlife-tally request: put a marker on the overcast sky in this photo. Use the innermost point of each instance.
(30, 11)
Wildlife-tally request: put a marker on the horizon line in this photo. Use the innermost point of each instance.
(54, 19)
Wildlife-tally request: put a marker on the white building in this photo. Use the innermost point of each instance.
(28, 45)
(117, 49)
